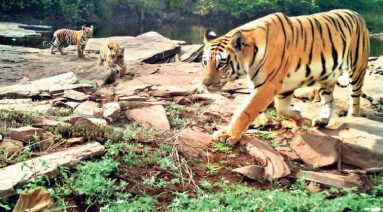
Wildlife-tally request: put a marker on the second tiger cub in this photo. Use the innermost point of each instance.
(112, 57)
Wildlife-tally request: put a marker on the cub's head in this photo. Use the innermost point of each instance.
(116, 52)
(87, 31)
(219, 60)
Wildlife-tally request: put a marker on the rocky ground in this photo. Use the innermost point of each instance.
(148, 135)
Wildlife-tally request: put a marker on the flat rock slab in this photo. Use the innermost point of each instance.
(25, 133)
(272, 162)
(112, 111)
(191, 53)
(26, 105)
(12, 30)
(55, 84)
(334, 180)
(89, 108)
(315, 148)
(149, 47)
(12, 176)
(193, 143)
(362, 141)
(87, 122)
(19, 65)
(75, 95)
(153, 116)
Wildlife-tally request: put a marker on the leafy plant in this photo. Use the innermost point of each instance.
(221, 147)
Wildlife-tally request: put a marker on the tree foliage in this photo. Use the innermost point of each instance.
(227, 10)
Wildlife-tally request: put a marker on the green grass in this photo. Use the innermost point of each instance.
(242, 198)
(23, 117)
(221, 147)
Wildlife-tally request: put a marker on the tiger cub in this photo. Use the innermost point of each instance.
(64, 37)
(112, 57)
(279, 54)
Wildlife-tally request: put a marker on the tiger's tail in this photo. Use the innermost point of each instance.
(364, 95)
(48, 44)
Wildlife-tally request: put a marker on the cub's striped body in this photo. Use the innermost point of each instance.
(65, 37)
(280, 54)
(112, 57)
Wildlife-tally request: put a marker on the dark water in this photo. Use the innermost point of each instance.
(192, 33)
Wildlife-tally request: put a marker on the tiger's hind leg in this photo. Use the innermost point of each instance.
(60, 48)
(282, 103)
(327, 99)
(356, 93)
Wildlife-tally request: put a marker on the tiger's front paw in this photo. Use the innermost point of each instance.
(226, 136)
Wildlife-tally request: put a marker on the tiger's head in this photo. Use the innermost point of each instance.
(87, 32)
(219, 59)
(116, 53)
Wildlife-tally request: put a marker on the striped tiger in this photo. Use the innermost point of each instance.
(280, 54)
(112, 57)
(65, 37)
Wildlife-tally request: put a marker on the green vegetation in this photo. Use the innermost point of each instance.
(242, 198)
(171, 10)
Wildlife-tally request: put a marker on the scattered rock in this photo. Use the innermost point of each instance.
(37, 199)
(362, 141)
(105, 94)
(11, 146)
(88, 108)
(75, 95)
(153, 116)
(55, 84)
(26, 105)
(49, 123)
(87, 122)
(181, 100)
(112, 111)
(46, 141)
(169, 91)
(25, 133)
(132, 98)
(288, 152)
(14, 175)
(273, 163)
(334, 180)
(315, 148)
(66, 104)
(75, 140)
(193, 143)
(253, 172)
(191, 53)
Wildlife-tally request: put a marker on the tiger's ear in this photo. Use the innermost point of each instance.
(110, 46)
(238, 41)
(91, 27)
(83, 28)
(209, 35)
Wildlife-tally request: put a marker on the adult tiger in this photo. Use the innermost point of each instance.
(279, 54)
(65, 37)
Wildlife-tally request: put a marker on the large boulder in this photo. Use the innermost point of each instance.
(153, 116)
(193, 143)
(362, 141)
(149, 47)
(315, 148)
